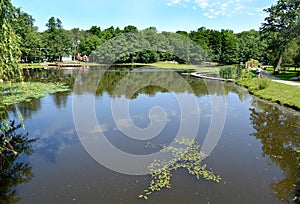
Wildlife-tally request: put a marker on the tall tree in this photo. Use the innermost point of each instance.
(281, 26)
(56, 41)
(76, 36)
(229, 47)
(30, 38)
(249, 46)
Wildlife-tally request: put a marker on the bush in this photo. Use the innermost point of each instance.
(227, 72)
(246, 74)
(262, 83)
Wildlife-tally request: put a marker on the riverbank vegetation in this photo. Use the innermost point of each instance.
(265, 88)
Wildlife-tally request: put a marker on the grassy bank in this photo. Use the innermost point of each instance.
(264, 88)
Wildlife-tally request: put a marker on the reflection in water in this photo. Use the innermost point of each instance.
(13, 172)
(59, 150)
(279, 132)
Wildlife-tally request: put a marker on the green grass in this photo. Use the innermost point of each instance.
(31, 65)
(12, 93)
(282, 94)
(285, 75)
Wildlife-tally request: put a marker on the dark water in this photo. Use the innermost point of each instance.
(257, 155)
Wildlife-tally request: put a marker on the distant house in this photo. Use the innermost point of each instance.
(69, 58)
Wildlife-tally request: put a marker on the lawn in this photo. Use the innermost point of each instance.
(289, 73)
(264, 88)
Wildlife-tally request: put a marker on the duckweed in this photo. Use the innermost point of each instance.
(12, 93)
(185, 154)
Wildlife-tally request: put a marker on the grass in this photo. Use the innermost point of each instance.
(11, 93)
(31, 65)
(285, 75)
(282, 94)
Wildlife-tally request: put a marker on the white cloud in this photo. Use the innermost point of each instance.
(215, 8)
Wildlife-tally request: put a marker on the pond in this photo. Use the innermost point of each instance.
(256, 154)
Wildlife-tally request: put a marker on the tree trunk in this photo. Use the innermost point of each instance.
(279, 62)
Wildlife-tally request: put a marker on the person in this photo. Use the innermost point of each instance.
(258, 71)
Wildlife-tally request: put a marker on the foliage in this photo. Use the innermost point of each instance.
(246, 74)
(281, 27)
(30, 39)
(251, 46)
(186, 154)
(227, 72)
(149, 46)
(26, 91)
(229, 47)
(9, 44)
(252, 62)
(257, 84)
(56, 41)
(9, 54)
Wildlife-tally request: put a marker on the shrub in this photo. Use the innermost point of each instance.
(227, 72)
(245, 74)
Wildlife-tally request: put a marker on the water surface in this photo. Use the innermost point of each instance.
(256, 156)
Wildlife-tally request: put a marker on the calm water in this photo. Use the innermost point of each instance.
(256, 155)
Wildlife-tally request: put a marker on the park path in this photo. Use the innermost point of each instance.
(291, 83)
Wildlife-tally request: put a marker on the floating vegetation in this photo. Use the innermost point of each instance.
(185, 155)
(11, 93)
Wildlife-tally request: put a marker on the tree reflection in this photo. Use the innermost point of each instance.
(279, 134)
(124, 83)
(13, 172)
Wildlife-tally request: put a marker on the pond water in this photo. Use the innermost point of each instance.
(257, 155)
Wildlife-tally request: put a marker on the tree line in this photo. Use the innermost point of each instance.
(275, 43)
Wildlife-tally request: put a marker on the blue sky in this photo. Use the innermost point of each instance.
(165, 15)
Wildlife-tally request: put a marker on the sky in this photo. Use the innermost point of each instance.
(165, 15)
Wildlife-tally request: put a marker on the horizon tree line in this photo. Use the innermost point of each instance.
(276, 43)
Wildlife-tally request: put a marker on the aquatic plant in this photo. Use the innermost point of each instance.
(185, 154)
(12, 93)
(227, 72)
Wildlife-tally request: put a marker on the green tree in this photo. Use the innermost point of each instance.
(130, 29)
(280, 27)
(76, 35)
(89, 44)
(200, 37)
(214, 45)
(250, 46)
(229, 47)
(56, 41)
(9, 44)
(95, 30)
(30, 38)
(292, 53)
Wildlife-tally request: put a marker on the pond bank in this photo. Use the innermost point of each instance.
(285, 93)
(276, 91)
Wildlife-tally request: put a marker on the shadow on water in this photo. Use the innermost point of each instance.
(279, 130)
(12, 171)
